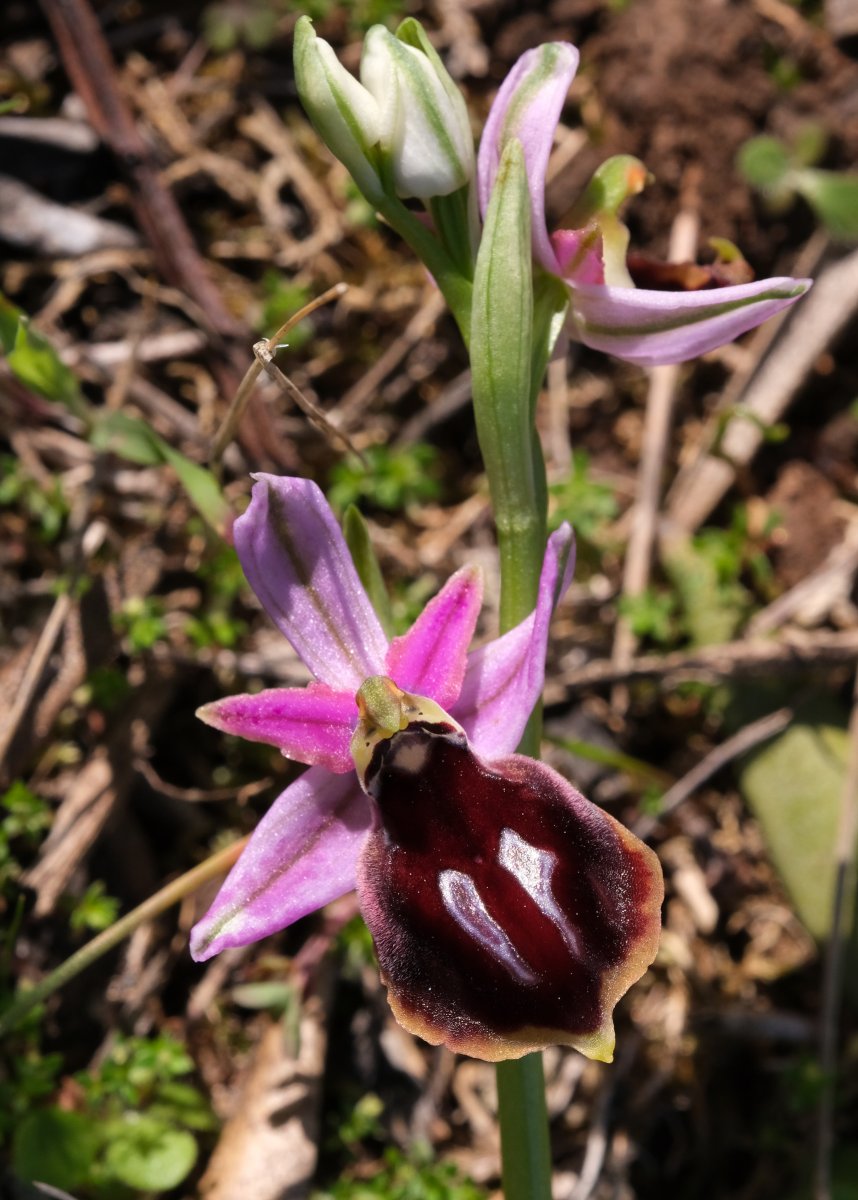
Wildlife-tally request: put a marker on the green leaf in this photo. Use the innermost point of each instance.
(765, 163)
(833, 195)
(501, 366)
(54, 1146)
(809, 145)
(272, 993)
(35, 363)
(94, 910)
(9, 317)
(128, 438)
(150, 1155)
(794, 786)
(363, 556)
(133, 439)
(202, 488)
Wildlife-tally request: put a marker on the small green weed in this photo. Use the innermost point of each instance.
(781, 171)
(394, 478)
(587, 505)
(256, 23)
(354, 943)
(44, 507)
(652, 615)
(223, 579)
(34, 362)
(95, 910)
(141, 619)
(416, 1177)
(24, 817)
(105, 688)
(280, 300)
(135, 1126)
(708, 576)
(360, 14)
(251, 23)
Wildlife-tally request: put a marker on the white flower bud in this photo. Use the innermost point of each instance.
(344, 113)
(424, 124)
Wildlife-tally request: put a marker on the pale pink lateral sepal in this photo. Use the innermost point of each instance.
(312, 725)
(504, 679)
(430, 658)
(650, 327)
(302, 855)
(296, 560)
(528, 107)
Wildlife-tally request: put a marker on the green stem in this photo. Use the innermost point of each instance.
(522, 1111)
(169, 895)
(525, 1146)
(505, 377)
(455, 287)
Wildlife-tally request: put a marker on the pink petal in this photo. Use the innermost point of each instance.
(312, 725)
(579, 254)
(651, 327)
(297, 562)
(302, 855)
(504, 679)
(430, 659)
(528, 107)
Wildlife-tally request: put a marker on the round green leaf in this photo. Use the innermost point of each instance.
(54, 1146)
(834, 196)
(764, 161)
(150, 1155)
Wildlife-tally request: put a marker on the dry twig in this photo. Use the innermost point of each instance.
(664, 381)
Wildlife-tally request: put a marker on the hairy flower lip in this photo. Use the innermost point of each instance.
(508, 912)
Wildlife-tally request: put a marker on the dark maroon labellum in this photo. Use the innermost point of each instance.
(508, 912)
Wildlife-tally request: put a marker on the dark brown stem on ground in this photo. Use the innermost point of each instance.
(89, 64)
(796, 651)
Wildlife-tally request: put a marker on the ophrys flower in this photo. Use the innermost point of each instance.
(507, 911)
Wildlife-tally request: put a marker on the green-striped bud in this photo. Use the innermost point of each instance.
(344, 114)
(424, 121)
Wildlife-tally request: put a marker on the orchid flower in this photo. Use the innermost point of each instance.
(607, 312)
(507, 911)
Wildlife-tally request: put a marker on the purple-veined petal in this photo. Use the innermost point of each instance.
(504, 679)
(312, 725)
(302, 855)
(508, 912)
(296, 560)
(652, 327)
(430, 659)
(528, 107)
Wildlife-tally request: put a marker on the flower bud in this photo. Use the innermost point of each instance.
(344, 114)
(424, 125)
